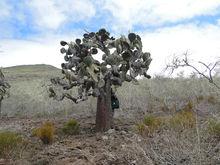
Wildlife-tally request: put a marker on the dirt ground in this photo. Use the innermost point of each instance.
(117, 146)
(123, 145)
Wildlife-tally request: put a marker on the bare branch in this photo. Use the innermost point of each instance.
(178, 62)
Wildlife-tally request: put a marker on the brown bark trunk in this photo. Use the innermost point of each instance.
(0, 108)
(104, 113)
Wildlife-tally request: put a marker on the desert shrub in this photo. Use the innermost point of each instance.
(214, 127)
(71, 127)
(200, 98)
(183, 119)
(188, 107)
(142, 128)
(149, 125)
(211, 99)
(152, 121)
(9, 143)
(45, 132)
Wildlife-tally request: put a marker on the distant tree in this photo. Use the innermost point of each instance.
(4, 86)
(206, 70)
(122, 60)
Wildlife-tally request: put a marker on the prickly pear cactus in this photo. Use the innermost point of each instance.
(122, 60)
(4, 86)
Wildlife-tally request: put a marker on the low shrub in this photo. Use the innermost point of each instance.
(9, 143)
(71, 127)
(45, 132)
(149, 125)
(200, 98)
(214, 127)
(152, 122)
(211, 99)
(141, 128)
(188, 107)
(183, 119)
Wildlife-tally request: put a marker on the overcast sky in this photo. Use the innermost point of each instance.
(30, 30)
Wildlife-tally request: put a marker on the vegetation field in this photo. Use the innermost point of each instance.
(160, 121)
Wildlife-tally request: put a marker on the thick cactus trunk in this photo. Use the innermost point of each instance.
(0, 108)
(104, 113)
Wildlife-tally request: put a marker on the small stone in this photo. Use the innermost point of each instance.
(104, 137)
(133, 162)
(111, 131)
(123, 132)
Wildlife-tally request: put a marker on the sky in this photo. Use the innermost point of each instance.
(30, 30)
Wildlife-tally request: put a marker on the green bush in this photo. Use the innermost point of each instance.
(71, 127)
(9, 142)
(214, 127)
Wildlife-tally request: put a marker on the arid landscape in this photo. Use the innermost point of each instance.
(160, 121)
(109, 82)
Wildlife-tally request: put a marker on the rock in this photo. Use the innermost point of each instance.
(133, 162)
(111, 131)
(123, 146)
(104, 137)
(123, 132)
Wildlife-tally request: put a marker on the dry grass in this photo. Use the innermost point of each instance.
(175, 132)
(9, 143)
(211, 99)
(45, 132)
(214, 127)
(149, 125)
(30, 97)
(184, 119)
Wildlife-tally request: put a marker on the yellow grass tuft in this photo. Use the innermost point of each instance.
(45, 132)
(184, 119)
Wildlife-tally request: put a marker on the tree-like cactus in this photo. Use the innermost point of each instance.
(4, 86)
(122, 60)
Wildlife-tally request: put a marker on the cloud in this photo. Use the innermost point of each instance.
(19, 52)
(218, 22)
(53, 14)
(5, 10)
(130, 13)
(119, 16)
(202, 43)
(78, 10)
(43, 49)
(50, 16)
(46, 14)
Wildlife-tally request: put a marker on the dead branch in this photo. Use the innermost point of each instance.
(183, 61)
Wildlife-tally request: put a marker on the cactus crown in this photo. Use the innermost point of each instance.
(122, 60)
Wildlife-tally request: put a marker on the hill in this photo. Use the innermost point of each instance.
(28, 92)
